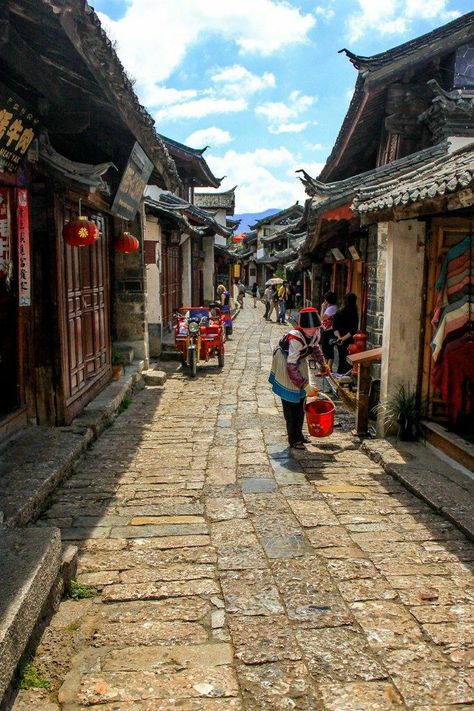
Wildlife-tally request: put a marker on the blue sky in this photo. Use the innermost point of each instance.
(258, 81)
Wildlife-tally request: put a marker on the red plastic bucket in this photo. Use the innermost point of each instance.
(320, 417)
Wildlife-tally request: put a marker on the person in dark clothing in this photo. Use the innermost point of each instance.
(255, 294)
(328, 311)
(345, 324)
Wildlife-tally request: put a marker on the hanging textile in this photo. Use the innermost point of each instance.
(453, 340)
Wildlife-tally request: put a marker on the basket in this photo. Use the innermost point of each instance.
(320, 416)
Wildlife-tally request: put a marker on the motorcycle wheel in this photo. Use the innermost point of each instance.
(220, 359)
(192, 363)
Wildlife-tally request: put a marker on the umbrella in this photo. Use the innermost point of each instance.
(274, 280)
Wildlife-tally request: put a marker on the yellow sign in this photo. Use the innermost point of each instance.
(236, 270)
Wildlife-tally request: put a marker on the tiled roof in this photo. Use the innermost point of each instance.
(435, 177)
(225, 200)
(460, 24)
(185, 213)
(194, 161)
(329, 195)
(79, 25)
(278, 216)
(366, 111)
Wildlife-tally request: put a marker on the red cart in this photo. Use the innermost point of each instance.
(199, 335)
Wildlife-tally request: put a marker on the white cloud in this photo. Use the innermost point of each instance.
(279, 114)
(199, 108)
(211, 136)
(258, 178)
(394, 16)
(153, 37)
(289, 128)
(327, 13)
(238, 81)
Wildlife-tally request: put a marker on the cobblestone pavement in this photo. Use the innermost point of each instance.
(232, 576)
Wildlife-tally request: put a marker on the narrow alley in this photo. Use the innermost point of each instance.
(230, 575)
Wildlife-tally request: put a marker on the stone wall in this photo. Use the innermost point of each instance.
(129, 324)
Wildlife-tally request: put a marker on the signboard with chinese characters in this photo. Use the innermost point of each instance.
(133, 184)
(23, 228)
(5, 234)
(18, 126)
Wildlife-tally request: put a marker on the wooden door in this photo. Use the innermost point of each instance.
(444, 235)
(87, 333)
(171, 281)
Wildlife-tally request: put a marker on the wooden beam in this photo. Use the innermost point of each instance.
(25, 61)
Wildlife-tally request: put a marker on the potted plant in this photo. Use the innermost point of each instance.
(403, 409)
(117, 365)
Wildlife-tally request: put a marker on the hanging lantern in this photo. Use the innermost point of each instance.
(80, 232)
(126, 243)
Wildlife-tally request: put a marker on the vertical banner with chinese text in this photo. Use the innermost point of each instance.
(5, 233)
(23, 226)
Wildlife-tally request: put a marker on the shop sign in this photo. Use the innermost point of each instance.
(133, 184)
(23, 227)
(5, 235)
(236, 270)
(18, 127)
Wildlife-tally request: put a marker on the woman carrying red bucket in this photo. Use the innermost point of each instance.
(289, 374)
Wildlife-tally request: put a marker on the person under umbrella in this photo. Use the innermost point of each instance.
(289, 375)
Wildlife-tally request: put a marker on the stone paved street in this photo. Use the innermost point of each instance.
(232, 576)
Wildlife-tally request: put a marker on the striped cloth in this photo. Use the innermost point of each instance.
(280, 380)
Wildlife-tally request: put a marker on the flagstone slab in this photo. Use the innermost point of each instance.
(168, 658)
(430, 589)
(361, 695)
(351, 568)
(328, 536)
(158, 591)
(185, 609)
(152, 531)
(313, 513)
(263, 639)
(198, 682)
(240, 557)
(134, 558)
(228, 532)
(168, 542)
(149, 633)
(285, 546)
(251, 593)
(339, 654)
(221, 509)
(387, 624)
(366, 589)
(278, 686)
(257, 485)
(423, 676)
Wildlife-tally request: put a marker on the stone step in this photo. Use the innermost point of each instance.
(125, 352)
(154, 377)
(30, 564)
(171, 354)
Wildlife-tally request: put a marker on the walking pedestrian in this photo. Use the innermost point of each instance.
(240, 294)
(328, 311)
(274, 303)
(290, 301)
(223, 294)
(345, 324)
(298, 295)
(255, 294)
(268, 299)
(282, 298)
(289, 374)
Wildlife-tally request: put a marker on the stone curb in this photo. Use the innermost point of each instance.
(30, 484)
(443, 494)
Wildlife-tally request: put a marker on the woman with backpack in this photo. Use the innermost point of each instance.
(289, 374)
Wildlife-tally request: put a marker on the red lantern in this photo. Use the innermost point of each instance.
(126, 243)
(80, 232)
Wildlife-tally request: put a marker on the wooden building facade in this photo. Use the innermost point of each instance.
(73, 141)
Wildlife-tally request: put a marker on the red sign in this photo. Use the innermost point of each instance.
(23, 226)
(5, 233)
